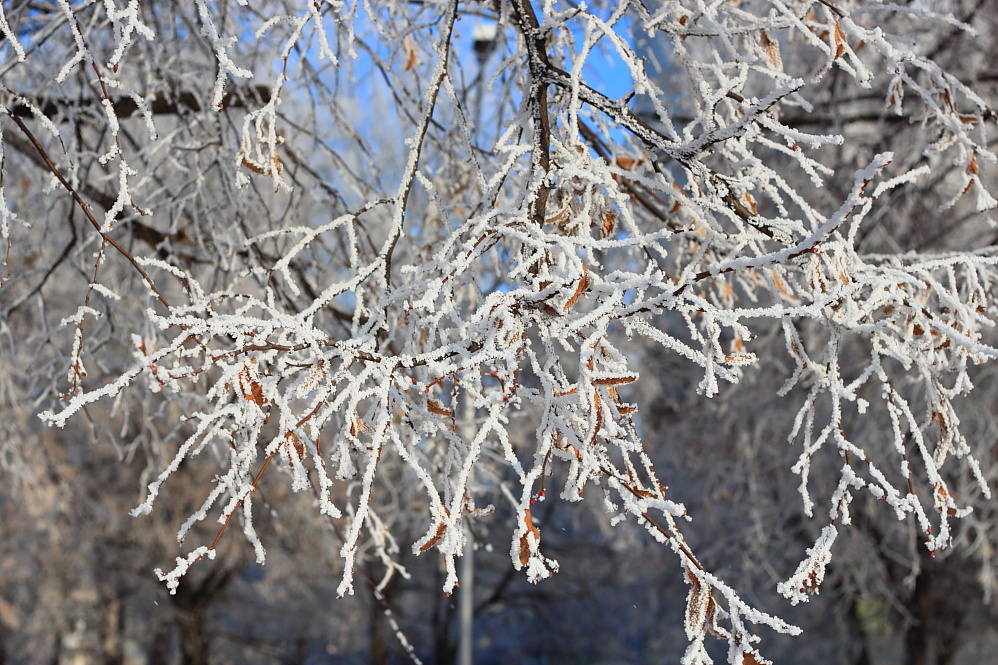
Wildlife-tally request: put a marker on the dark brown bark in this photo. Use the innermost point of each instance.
(860, 653)
(378, 634)
(159, 648)
(190, 605)
(159, 104)
(444, 645)
(916, 637)
(193, 640)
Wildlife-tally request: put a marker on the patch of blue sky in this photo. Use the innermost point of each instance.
(368, 92)
(357, 115)
(605, 69)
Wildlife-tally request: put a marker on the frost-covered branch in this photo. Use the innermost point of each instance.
(358, 279)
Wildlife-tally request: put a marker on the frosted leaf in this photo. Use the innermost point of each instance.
(400, 290)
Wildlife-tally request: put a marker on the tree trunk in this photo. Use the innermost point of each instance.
(380, 629)
(190, 607)
(159, 648)
(379, 650)
(859, 653)
(112, 642)
(445, 649)
(916, 639)
(193, 640)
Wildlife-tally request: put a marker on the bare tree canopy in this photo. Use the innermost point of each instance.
(423, 262)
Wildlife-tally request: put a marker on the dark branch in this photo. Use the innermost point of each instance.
(125, 107)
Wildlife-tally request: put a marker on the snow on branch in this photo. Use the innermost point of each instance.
(355, 281)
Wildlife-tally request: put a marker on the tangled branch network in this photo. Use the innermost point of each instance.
(361, 249)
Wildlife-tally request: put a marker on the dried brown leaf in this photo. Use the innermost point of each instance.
(615, 379)
(583, 283)
(840, 41)
(411, 57)
(436, 407)
(525, 540)
(772, 50)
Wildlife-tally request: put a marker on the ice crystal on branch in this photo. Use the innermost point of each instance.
(353, 263)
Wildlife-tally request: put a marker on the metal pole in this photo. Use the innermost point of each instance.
(484, 42)
(466, 572)
(467, 600)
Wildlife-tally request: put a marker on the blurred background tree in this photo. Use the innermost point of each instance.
(385, 285)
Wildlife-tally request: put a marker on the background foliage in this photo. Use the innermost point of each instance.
(380, 284)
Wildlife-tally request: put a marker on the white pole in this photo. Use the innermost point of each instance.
(467, 600)
(466, 596)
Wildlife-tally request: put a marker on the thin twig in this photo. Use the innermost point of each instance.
(86, 210)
